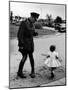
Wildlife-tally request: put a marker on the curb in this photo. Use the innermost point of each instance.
(56, 83)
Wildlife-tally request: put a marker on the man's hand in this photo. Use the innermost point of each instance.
(35, 34)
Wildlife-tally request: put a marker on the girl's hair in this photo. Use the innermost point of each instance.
(52, 48)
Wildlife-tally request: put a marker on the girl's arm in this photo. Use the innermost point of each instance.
(47, 56)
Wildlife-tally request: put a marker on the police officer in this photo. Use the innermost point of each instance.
(26, 43)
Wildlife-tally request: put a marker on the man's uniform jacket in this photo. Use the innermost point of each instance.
(25, 36)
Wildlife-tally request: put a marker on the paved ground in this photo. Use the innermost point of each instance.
(56, 83)
(42, 44)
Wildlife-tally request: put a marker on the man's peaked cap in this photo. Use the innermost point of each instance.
(34, 14)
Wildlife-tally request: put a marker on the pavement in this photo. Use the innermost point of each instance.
(60, 82)
(42, 44)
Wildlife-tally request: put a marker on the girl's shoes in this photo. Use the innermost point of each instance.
(52, 75)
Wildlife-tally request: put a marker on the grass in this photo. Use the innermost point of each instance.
(13, 29)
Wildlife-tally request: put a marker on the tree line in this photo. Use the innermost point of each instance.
(49, 21)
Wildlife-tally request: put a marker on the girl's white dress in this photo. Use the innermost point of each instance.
(52, 61)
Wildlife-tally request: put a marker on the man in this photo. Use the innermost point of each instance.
(26, 44)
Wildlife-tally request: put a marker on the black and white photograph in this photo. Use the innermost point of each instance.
(37, 44)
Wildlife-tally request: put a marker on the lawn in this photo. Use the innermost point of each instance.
(13, 29)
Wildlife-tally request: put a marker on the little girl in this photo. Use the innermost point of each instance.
(52, 60)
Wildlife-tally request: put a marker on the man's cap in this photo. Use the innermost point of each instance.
(34, 14)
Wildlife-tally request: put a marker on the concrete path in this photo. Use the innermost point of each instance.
(42, 44)
(56, 83)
